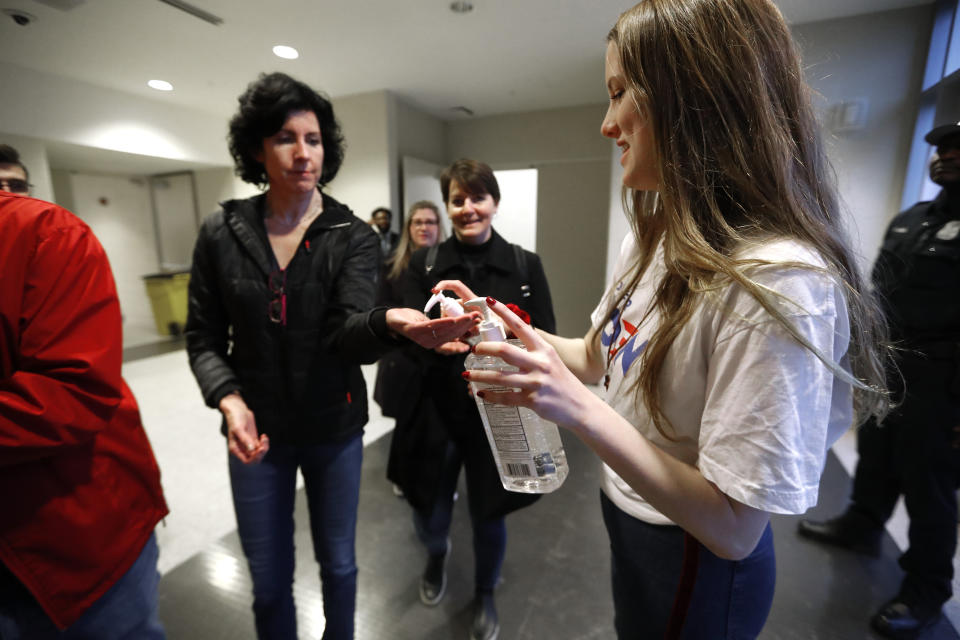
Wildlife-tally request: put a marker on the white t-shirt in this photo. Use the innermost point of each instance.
(755, 410)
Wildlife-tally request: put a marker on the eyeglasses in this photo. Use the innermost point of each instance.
(277, 307)
(14, 185)
(423, 223)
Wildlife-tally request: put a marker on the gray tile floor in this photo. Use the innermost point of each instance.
(556, 574)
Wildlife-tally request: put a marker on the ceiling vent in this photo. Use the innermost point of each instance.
(195, 11)
(62, 5)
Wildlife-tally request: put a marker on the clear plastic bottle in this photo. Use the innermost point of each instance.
(526, 448)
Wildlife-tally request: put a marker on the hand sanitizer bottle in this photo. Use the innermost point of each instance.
(526, 448)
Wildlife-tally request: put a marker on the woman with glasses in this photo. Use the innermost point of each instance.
(398, 369)
(281, 315)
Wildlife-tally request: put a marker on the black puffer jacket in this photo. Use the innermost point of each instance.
(302, 381)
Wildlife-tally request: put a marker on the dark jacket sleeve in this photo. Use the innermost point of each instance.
(207, 323)
(540, 305)
(354, 328)
(66, 385)
(415, 284)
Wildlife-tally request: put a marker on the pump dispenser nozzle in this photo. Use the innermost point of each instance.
(450, 306)
(490, 327)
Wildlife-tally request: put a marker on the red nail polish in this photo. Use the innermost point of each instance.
(490, 301)
(482, 394)
(466, 375)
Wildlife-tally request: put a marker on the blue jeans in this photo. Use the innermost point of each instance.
(489, 536)
(668, 585)
(263, 498)
(127, 611)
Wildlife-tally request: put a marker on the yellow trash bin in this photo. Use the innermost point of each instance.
(168, 298)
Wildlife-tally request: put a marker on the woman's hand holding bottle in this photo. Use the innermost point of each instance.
(544, 383)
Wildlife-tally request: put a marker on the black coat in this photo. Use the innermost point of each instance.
(917, 274)
(440, 409)
(303, 380)
(400, 368)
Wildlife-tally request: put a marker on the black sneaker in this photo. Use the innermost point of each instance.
(843, 532)
(433, 582)
(897, 619)
(485, 625)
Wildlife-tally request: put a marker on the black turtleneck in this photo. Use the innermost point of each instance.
(473, 256)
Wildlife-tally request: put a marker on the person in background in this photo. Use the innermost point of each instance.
(445, 432)
(423, 229)
(399, 368)
(380, 221)
(80, 485)
(280, 318)
(916, 451)
(14, 177)
(736, 337)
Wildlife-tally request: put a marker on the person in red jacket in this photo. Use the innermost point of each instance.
(81, 488)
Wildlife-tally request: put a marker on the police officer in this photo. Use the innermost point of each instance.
(915, 452)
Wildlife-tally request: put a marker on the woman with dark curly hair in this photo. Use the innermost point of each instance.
(281, 315)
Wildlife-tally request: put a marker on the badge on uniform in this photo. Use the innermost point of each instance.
(949, 231)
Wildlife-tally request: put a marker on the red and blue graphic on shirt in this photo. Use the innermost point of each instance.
(619, 337)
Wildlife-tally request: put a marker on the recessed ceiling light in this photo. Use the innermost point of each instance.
(160, 85)
(461, 7)
(283, 51)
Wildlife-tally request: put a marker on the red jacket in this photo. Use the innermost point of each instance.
(79, 484)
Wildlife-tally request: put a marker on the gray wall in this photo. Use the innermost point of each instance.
(368, 178)
(420, 135)
(879, 57)
(573, 160)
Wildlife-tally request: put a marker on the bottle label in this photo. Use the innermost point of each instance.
(511, 442)
(506, 427)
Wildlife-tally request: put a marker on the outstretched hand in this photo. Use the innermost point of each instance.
(427, 333)
(461, 290)
(544, 382)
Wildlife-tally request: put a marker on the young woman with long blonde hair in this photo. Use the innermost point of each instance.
(737, 340)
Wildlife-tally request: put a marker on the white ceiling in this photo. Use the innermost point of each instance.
(505, 56)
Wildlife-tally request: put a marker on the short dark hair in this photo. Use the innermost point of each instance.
(378, 210)
(264, 107)
(9, 155)
(473, 176)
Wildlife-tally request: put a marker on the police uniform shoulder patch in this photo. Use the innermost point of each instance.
(949, 231)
